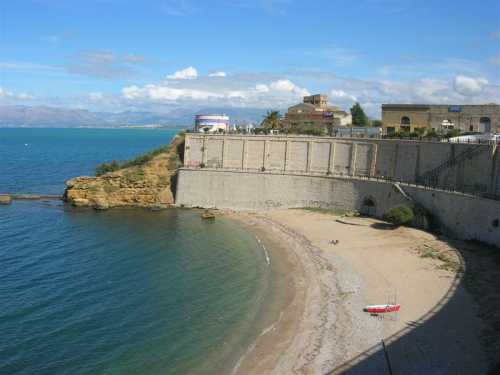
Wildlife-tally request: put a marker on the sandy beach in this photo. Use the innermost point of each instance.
(318, 324)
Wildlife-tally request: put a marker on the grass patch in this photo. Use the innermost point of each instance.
(164, 180)
(137, 161)
(448, 262)
(134, 176)
(110, 188)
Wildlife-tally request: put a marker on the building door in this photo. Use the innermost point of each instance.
(405, 124)
(485, 125)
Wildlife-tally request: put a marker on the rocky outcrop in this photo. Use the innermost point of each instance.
(147, 185)
(5, 199)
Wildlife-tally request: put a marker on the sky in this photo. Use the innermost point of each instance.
(118, 55)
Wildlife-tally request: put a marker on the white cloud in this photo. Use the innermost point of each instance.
(188, 73)
(165, 93)
(261, 88)
(469, 86)
(6, 94)
(218, 74)
(96, 96)
(285, 85)
(228, 92)
(341, 94)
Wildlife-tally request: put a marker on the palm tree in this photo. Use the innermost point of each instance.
(272, 120)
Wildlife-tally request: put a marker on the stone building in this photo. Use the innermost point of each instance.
(316, 113)
(484, 118)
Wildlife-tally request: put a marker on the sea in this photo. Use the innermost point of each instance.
(124, 291)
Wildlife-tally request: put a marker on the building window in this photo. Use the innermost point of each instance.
(405, 121)
(391, 130)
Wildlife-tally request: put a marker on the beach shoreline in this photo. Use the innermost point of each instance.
(321, 327)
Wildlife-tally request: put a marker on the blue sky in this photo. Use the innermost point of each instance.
(116, 55)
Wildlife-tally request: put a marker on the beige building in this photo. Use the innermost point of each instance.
(316, 113)
(467, 118)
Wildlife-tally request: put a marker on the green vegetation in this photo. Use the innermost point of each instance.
(110, 188)
(164, 180)
(139, 160)
(359, 117)
(134, 176)
(426, 133)
(400, 215)
(449, 263)
(307, 130)
(272, 121)
(377, 123)
(452, 133)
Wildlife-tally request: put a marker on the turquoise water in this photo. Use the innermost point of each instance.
(122, 291)
(40, 160)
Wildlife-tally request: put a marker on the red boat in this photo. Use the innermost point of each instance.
(379, 309)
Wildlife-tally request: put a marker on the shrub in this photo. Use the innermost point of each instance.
(400, 215)
(139, 160)
(107, 167)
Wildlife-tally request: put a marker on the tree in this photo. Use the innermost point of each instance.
(377, 123)
(272, 120)
(359, 117)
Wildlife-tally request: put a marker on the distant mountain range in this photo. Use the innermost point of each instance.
(51, 117)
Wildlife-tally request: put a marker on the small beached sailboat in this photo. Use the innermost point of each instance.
(380, 309)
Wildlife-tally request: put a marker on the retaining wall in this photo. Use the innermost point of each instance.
(398, 159)
(465, 217)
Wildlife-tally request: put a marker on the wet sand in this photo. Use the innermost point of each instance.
(317, 324)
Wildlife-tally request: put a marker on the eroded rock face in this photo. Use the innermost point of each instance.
(5, 199)
(147, 185)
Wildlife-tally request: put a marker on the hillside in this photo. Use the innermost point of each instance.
(48, 117)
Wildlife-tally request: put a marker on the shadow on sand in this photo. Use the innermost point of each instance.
(383, 226)
(415, 349)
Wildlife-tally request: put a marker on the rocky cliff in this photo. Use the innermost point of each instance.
(148, 184)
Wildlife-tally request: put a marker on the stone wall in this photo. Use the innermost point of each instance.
(398, 159)
(462, 216)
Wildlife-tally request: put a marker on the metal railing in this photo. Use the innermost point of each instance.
(354, 136)
(432, 177)
(464, 189)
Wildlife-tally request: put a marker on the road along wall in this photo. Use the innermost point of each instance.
(400, 160)
(461, 216)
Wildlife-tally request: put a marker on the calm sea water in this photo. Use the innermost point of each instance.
(116, 292)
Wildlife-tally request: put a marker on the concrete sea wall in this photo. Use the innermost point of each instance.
(261, 172)
(461, 216)
(401, 160)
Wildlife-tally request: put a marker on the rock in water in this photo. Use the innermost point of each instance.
(5, 199)
(145, 184)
